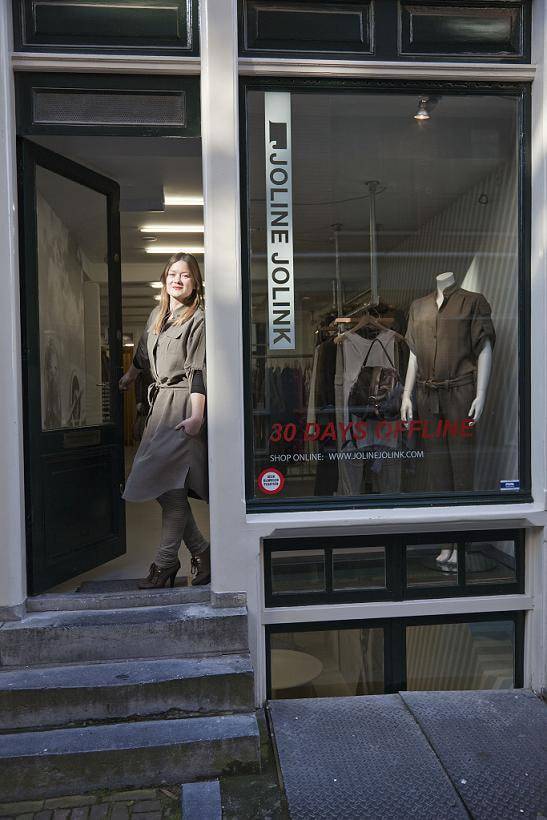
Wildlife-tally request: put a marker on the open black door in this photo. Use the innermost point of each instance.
(72, 340)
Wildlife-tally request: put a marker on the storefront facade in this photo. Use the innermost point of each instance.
(383, 537)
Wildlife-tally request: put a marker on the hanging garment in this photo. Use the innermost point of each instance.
(169, 459)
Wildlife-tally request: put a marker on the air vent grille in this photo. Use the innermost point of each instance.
(82, 107)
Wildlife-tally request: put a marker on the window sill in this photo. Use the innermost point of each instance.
(396, 519)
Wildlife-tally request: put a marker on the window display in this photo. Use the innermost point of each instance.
(342, 569)
(459, 652)
(386, 291)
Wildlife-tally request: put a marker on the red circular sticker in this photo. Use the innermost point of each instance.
(271, 481)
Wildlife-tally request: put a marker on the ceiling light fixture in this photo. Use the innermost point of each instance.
(156, 285)
(171, 229)
(164, 249)
(422, 113)
(174, 199)
(157, 298)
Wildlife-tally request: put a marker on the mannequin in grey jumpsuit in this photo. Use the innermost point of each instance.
(171, 461)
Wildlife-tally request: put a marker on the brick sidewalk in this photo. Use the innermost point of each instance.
(142, 804)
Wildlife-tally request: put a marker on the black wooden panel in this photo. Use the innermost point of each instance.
(429, 30)
(107, 105)
(307, 27)
(151, 26)
(476, 29)
(78, 503)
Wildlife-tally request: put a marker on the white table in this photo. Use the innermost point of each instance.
(291, 668)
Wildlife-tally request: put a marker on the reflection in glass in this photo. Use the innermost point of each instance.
(460, 656)
(298, 571)
(72, 248)
(445, 194)
(490, 563)
(358, 568)
(428, 565)
(327, 663)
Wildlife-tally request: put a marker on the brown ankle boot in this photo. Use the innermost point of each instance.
(201, 568)
(157, 578)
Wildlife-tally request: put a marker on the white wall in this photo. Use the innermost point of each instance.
(12, 539)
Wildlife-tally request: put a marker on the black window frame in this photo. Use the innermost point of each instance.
(520, 90)
(388, 32)
(395, 679)
(27, 39)
(395, 567)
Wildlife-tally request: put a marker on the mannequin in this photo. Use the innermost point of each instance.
(484, 365)
(451, 337)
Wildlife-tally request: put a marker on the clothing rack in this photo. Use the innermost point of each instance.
(281, 358)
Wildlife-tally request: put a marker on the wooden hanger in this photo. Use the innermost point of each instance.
(368, 320)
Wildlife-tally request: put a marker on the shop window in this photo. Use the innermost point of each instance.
(376, 657)
(298, 571)
(358, 568)
(460, 656)
(327, 663)
(368, 568)
(428, 566)
(386, 354)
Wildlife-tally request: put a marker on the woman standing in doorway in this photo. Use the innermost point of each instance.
(171, 462)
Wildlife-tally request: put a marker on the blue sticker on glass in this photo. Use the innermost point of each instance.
(513, 486)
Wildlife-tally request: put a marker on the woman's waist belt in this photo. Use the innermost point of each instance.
(446, 384)
(433, 386)
(155, 387)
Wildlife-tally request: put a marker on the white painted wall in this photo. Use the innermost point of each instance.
(12, 538)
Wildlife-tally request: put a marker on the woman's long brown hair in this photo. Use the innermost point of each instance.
(196, 298)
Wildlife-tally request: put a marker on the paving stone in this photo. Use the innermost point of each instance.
(70, 801)
(99, 812)
(147, 805)
(152, 815)
(79, 813)
(24, 817)
(61, 814)
(119, 812)
(45, 814)
(134, 794)
(21, 807)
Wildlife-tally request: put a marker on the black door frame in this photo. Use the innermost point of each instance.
(96, 441)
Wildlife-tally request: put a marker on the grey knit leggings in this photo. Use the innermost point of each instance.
(177, 525)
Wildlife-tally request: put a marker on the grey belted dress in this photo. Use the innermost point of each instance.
(169, 459)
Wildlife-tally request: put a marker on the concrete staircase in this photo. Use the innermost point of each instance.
(129, 696)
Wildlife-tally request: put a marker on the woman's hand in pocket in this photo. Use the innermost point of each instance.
(191, 425)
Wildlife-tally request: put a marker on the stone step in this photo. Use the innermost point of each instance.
(118, 634)
(126, 755)
(42, 696)
(117, 597)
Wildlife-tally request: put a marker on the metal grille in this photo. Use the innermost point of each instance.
(108, 108)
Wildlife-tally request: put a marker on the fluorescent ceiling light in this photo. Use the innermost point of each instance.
(164, 249)
(174, 199)
(171, 229)
(157, 298)
(156, 285)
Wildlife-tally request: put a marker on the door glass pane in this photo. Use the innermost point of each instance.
(359, 568)
(298, 571)
(327, 663)
(428, 565)
(72, 252)
(492, 562)
(460, 656)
